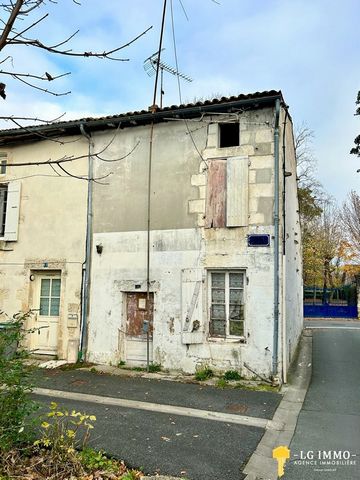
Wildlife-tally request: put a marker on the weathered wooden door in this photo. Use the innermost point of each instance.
(138, 309)
(47, 307)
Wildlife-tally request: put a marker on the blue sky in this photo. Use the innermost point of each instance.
(306, 48)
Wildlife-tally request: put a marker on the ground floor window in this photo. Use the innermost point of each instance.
(227, 299)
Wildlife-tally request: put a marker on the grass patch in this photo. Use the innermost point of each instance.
(75, 366)
(261, 387)
(204, 374)
(222, 383)
(153, 367)
(232, 375)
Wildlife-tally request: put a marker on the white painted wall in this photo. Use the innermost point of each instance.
(293, 253)
(121, 266)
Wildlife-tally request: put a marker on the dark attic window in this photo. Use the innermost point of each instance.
(229, 135)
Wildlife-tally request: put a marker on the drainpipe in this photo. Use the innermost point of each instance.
(276, 242)
(283, 322)
(86, 265)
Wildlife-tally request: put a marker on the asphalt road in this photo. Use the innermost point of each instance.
(195, 448)
(330, 418)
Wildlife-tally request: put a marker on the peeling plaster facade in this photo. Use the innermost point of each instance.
(183, 253)
(50, 244)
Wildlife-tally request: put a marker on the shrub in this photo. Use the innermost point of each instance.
(97, 460)
(154, 367)
(15, 404)
(203, 374)
(232, 375)
(61, 431)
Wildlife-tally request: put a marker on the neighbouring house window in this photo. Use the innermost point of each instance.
(50, 297)
(3, 203)
(227, 304)
(3, 163)
(229, 135)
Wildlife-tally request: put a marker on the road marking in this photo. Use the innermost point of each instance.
(161, 408)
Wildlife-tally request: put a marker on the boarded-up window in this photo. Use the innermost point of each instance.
(216, 194)
(227, 317)
(138, 309)
(227, 195)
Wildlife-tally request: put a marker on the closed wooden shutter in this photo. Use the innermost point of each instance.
(12, 212)
(237, 208)
(216, 194)
(192, 305)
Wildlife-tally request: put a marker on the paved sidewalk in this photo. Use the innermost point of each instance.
(328, 429)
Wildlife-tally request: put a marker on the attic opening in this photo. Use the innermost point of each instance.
(229, 135)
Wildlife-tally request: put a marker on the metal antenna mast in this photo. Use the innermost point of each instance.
(152, 63)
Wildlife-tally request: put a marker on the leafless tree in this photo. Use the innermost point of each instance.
(350, 216)
(305, 158)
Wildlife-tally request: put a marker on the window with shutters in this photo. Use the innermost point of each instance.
(227, 303)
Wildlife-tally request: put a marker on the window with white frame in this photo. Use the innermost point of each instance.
(227, 296)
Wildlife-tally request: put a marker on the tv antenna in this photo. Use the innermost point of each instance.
(150, 67)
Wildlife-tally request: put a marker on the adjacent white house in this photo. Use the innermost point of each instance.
(42, 238)
(192, 231)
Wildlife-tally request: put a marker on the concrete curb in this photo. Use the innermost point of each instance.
(261, 465)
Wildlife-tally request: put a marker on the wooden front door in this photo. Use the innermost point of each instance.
(47, 307)
(138, 309)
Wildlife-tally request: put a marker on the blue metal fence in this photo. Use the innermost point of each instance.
(330, 302)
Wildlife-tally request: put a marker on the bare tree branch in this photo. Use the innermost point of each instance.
(47, 77)
(72, 158)
(45, 90)
(17, 10)
(10, 23)
(106, 54)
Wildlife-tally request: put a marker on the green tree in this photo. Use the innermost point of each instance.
(356, 150)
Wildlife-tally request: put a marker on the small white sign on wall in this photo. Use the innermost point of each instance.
(142, 304)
